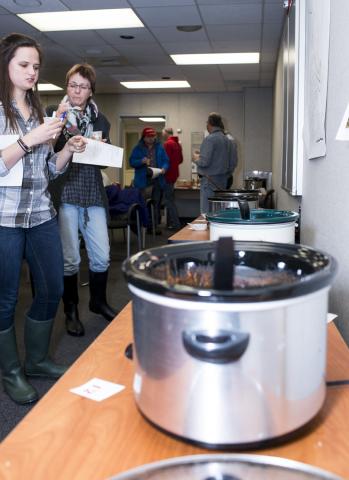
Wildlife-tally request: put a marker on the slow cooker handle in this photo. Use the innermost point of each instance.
(221, 346)
(244, 209)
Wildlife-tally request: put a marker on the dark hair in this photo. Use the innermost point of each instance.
(169, 130)
(8, 48)
(215, 120)
(85, 70)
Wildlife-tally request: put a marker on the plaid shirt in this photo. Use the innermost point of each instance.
(82, 186)
(30, 204)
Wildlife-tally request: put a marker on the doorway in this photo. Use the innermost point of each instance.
(131, 128)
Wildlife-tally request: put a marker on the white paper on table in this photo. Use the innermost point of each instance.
(97, 389)
(331, 317)
(15, 176)
(100, 153)
(343, 131)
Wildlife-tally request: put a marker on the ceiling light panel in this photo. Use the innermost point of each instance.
(48, 87)
(216, 58)
(152, 119)
(157, 84)
(82, 20)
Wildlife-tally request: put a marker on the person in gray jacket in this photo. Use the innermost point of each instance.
(216, 160)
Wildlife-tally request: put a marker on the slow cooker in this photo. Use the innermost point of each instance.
(228, 199)
(229, 343)
(257, 224)
(226, 467)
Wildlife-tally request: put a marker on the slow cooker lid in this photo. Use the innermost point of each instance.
(234, 194)
(226, 467)
(262, 271)
(257, 217)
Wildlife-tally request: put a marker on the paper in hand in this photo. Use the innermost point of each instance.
(100, 153)
(15, 176)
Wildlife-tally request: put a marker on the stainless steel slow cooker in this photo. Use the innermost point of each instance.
(228, 199)
(229, 349)
(257, 224)
(226, 467)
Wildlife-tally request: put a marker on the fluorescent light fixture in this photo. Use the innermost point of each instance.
(152, 119)
(83, 19)
(157, 84)
(215, 58)
(48, 87)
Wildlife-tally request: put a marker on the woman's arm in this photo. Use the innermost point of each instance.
(75, 144)
(44, 133)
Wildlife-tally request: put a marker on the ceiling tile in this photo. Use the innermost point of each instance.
(226, 27)
(269, 56)
(248, 45)
(171, 34)
(236, 34)
(240, 72)
(160, 3)
(120, 70)
(228, 2)
(166, 16)
(11, 23)
(267, 67)
(141, 50)
(271, 35)
(231, 14)
(274, 13)
(187, 47)
(157, 72)
(48, 6)
(92, 4)
(77, 38)
(124, 77)
(112, 36)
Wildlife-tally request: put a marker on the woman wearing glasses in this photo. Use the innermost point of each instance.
(82, 201)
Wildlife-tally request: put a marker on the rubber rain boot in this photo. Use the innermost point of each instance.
(98, 300)
(13, 379)
(70, 297)
(37, 336)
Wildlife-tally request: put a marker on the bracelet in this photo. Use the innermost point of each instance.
(23, 146)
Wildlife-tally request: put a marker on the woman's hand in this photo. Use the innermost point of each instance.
(76, 144)
(62, 109)
(43, 133)
(146, 161)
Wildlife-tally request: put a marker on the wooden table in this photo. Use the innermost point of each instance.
(186, 234)
(67, 437)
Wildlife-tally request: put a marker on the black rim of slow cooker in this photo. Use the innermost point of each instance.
(310, 282)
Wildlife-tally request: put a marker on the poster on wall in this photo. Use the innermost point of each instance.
(316, 75)
(343, 131)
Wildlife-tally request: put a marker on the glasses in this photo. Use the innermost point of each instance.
(74, 86)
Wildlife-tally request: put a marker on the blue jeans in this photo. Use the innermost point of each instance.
(71, 219)
(41, 247)
(207, 189)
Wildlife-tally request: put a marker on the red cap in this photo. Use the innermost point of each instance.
(148, 132)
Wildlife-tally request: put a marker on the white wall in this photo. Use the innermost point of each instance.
(251, 127)
(258, 128)
(325, 214)
(325, 202)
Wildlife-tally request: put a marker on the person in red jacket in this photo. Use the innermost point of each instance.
(174, 152)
